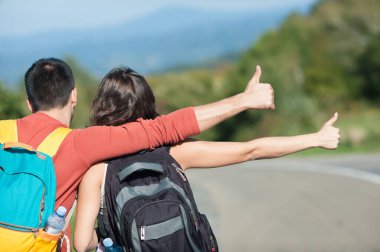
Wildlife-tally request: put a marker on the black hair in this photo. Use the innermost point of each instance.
(48, 84)
(123, 96)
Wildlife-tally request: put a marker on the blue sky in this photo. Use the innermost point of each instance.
(20, 17)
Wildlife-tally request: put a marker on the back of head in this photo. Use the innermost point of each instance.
(123, 96)
(48, 84)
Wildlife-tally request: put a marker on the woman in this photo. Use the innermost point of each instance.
(124, 96)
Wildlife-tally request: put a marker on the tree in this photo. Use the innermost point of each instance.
(369, 70)
(86, 85)
(10, 104)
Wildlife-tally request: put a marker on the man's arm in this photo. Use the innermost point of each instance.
(98, 143)
(256, 96)
(95, 144)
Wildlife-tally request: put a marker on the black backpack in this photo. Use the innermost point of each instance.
(150, 206)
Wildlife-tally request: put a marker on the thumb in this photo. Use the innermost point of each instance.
(256, 76)
(332, 119)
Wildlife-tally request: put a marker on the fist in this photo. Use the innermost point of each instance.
(259, 95)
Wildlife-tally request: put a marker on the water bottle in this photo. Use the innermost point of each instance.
(109, 246)
(56, 221)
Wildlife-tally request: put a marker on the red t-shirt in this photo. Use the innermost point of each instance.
(85, 147)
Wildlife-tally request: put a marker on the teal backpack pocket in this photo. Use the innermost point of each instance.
(28, 183)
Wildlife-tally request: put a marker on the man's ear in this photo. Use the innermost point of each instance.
(74, 97)
(29, 105)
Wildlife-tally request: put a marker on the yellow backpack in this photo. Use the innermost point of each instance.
(28, 190)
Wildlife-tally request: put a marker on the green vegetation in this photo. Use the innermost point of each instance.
(10, 104)
(87, 87)
(326, 61)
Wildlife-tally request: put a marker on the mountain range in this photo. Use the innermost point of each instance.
(167, 39)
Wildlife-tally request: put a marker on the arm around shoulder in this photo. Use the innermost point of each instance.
(113, 141)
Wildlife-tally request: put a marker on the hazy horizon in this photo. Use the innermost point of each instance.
(20, 18)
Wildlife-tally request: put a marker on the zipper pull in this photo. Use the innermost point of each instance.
(180, 172)
(142, 233)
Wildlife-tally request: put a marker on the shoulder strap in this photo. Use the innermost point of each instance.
(8, 131)
(67, 223)
(52, 142)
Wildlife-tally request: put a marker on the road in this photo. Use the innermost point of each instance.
(329, 203)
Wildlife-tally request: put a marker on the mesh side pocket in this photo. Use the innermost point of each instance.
(207, 235)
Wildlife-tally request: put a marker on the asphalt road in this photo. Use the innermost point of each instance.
(293, 204)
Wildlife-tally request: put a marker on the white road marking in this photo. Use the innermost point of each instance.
(327, 169)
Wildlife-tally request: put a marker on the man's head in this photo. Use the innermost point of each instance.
(49, 84)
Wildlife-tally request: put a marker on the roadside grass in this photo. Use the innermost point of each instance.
(360, 133)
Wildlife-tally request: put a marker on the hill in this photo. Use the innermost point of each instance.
(319, 63)
(162, 40)
(325, 61)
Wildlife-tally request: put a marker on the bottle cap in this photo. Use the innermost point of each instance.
(61, 211)
(107, 242)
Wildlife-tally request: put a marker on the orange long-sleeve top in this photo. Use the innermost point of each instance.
(85, 147)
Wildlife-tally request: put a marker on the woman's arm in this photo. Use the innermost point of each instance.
(214, 154)
(87, 209)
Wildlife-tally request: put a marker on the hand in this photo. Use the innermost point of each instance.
(328, 136)
(259, 95)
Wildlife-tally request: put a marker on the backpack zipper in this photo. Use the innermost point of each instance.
(142, 228)
(187, 209)
(180, 172)
(34, 230)
(186, 185)
(142, 232)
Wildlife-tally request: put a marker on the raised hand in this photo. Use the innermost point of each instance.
(328, 135)
(259, 95)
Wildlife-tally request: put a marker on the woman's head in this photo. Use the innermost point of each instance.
(123, 96)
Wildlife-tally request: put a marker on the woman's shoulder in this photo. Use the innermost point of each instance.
(95, 173)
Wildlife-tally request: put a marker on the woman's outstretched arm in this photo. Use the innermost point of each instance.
(199, 154)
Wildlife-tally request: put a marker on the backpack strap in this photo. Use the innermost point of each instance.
(8, 131)
(52, 142)
(67, 223)
(50, 147)
(103, 229)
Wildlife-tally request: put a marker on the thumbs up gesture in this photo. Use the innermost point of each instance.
(259, 95)
(328, 135)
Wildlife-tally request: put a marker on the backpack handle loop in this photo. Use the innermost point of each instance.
(139, 166)
(10, 145)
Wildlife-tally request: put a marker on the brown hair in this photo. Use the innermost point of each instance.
(123, 96)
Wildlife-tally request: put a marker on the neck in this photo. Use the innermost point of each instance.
(62, 115)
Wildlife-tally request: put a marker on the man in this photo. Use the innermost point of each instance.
(52, 97)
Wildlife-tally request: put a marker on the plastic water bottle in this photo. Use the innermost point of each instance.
(56, 221)
(109, 246)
